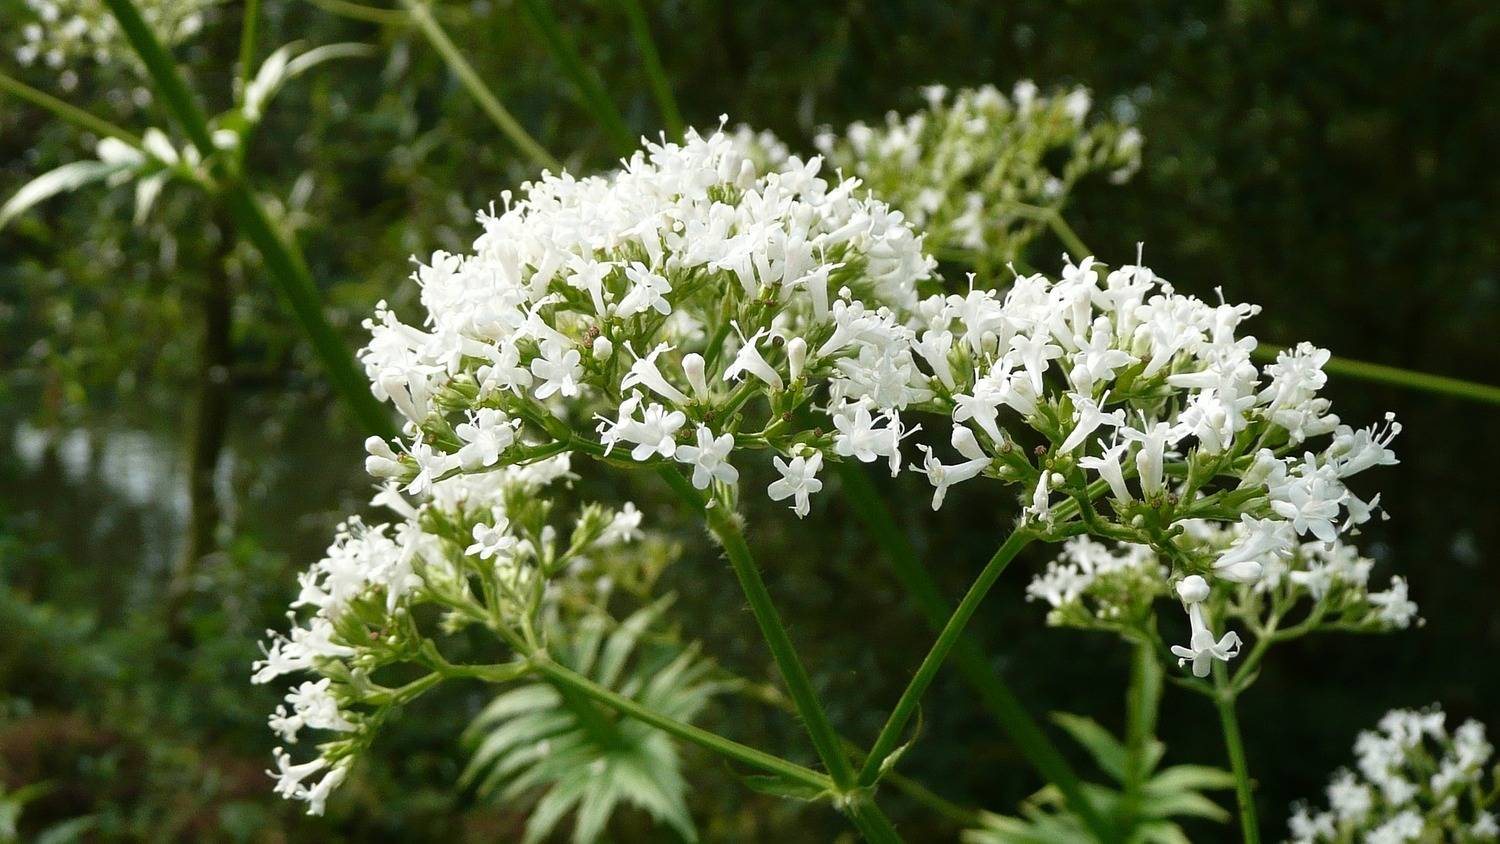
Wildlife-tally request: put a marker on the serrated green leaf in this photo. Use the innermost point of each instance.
(583, 768)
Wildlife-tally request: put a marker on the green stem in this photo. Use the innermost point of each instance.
(994, 694)
(906, 706)
(1411, 379)
(661, 87)
(725, 528)
(361, 12)
(247, 45)
(590, 89)
(871, 822)
(66, 111)
(1141, 706)
(1224, 699)
(728, 748)
(286, 268)
(476, 87)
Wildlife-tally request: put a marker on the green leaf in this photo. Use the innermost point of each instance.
(1107, 750)
(781, 787)
(535, 739)
(64, 179)
(281, 66)
(1191, 778)
(1179, 803)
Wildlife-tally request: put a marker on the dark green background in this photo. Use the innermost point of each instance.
(1334, 162)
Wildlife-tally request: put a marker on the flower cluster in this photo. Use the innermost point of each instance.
(689, 303)
(969, 168)
(1312, 587)
(1417, 781)
(1144, 411)
(65, 32)
(696, 307)
(482, 549)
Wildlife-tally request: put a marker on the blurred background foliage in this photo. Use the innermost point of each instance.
(1333, 162)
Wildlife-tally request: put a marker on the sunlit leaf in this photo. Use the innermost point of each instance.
(64, 179)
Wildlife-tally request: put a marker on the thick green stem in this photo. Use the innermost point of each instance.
(476, 87)
(1142, 702)
(906, 706)
(724, 526)
(760, 760)
(871, 822)
(661, 87)
(1235, 745)
(994, 694)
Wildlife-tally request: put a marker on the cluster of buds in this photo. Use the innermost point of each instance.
(971, 170)
(478, 550)
(1416, 782)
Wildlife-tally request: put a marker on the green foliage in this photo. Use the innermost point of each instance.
(1145, 815)
(537, 738)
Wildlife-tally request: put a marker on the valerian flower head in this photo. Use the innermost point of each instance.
(1140, 411)
(693, 303)
(1296, 588)
(972, 169)
(1415, 781)
(480, 548)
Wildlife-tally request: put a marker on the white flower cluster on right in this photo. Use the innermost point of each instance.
(1416, 782)
(1128, 410)
(960, 167)
(1316, 587)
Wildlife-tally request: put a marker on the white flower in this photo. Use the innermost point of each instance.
(487, 433)
(941, 477)
(645, 373)
(709, 458)
(492, 541)
(798, 481)
(749, 360)
(560, 370)
(1202, 649)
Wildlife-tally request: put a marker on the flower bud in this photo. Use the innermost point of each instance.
(1192, 589)
(692, 367)
(602, 348)
(796, 356)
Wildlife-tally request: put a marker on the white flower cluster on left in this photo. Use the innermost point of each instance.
(477, 547)
(689, 303)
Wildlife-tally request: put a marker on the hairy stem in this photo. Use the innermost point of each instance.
(1224, 698)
